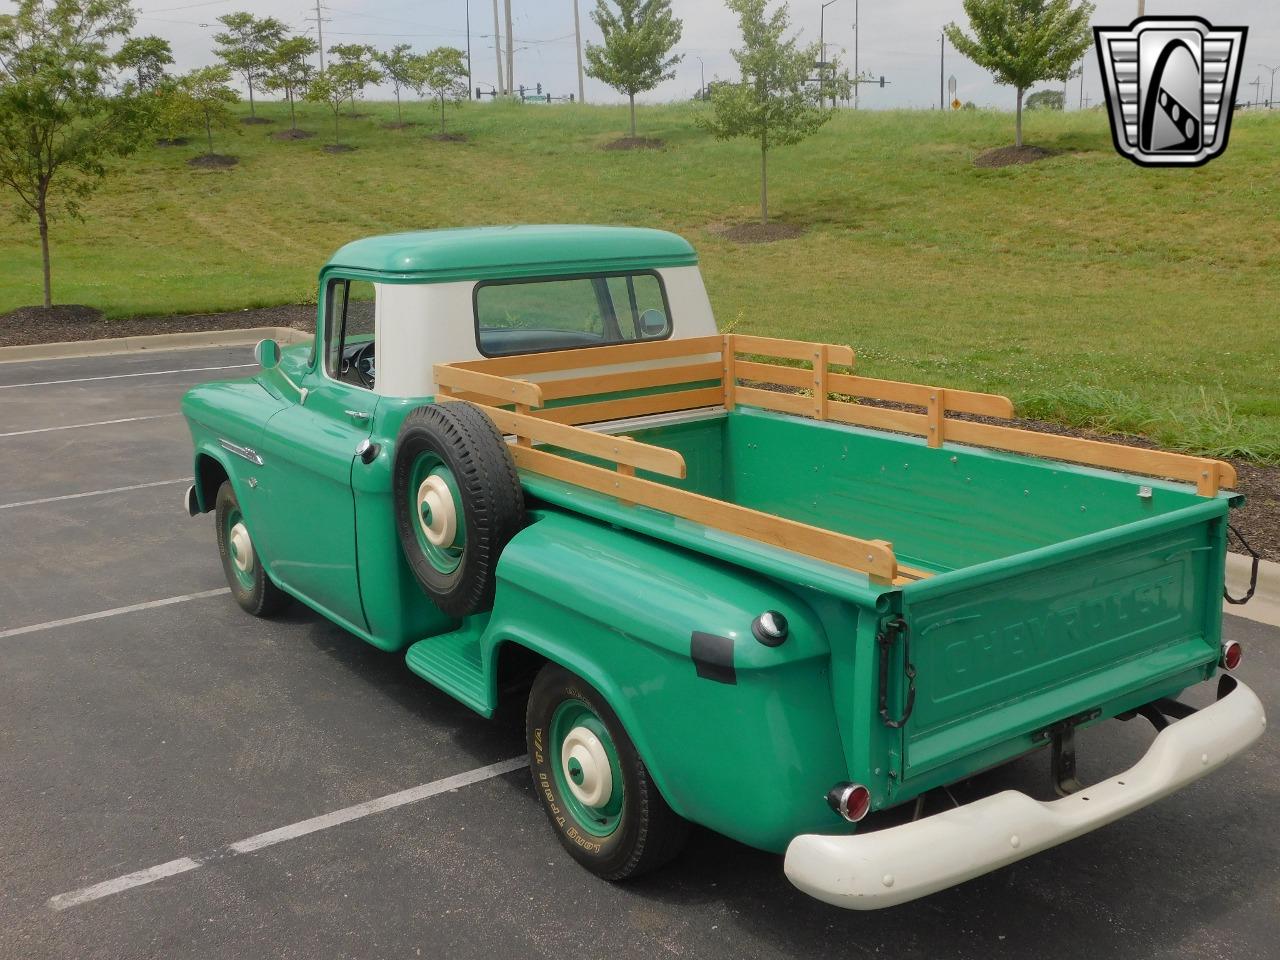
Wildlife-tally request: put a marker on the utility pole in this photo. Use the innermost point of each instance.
(471, 87)
(702, 72)
(1257, 89)
(497, 47)
(1271, 97)
(1082, 63)
(1142, 8)
(319, 35)
(577, 39)
(511, 52)
(942, 70)
(857, 74)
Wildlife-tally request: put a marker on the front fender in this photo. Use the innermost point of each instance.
(749, 748)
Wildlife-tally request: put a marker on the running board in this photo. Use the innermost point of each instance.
(454, 663)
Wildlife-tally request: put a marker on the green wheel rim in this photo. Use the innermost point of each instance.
(444, 558)
(602, 820)
(243, 577)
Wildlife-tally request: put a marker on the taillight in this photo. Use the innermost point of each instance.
(1232, 654)
(851, 800)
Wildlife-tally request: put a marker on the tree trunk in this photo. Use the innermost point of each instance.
(442, 114)
(633, 115)
(336, 142)
(43, 216)
(208, 131)
(293, 114)
(764, 181)
(399, 115)
(250, 84)
(1017, 139)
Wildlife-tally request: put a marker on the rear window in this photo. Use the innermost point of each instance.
(564, 313)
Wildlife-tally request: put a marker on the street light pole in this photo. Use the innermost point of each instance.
(471, 86)
(822, 50)
(497, 48)
(577, 36)
(1272, 96)
(702, 67)
(942, 70)
(857, 75)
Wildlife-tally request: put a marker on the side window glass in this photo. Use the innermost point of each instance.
(639, 306)
(349, 348)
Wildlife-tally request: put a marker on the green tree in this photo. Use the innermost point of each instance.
(146, 57)
(636, 53)
(1046, 100)
(202, 98)
(246, 45)
(288, 70)
(775, 102)
(1023, 42)
(59, 123)
(397, 66)
(443, 71)
(358, 68)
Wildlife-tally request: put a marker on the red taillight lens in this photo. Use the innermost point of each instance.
(1232, 654)
(851, 800)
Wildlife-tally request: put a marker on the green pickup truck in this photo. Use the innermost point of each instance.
(735, 582)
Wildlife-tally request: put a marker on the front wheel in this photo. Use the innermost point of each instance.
(241, 563)
(597, 792)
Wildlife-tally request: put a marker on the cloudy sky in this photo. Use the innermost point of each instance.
(899, 39)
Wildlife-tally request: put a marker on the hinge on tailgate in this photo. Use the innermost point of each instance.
(890, 630)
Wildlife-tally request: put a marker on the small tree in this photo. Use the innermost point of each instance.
(1046, 100)
(359, 68)
(246, 44)
(58, 122)
(288, 69)
(333, 86)
(146, 57)
(443, 71)
(203, 97)
(636, 54)
(1023, 42)
(775, 102)
(397, 66)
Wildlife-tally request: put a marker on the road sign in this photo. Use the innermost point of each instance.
(955, 104)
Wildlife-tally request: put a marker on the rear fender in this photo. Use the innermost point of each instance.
(744, 742)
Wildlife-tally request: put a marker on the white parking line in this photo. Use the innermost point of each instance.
(92, 493)
(113, 612)
(124, 376)
(271, 837)
(95, 423)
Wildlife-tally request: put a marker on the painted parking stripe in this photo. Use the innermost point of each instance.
(124, 376)
(92, 493)
(302, 828)
(95, 423)
(113, 612)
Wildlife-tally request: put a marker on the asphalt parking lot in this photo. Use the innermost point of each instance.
(178, 779)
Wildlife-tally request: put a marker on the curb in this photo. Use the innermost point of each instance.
(1265, 605)
(158, 341)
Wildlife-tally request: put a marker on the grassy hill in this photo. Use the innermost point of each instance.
(1090, 290)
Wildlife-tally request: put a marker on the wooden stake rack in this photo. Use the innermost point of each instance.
(715, 371)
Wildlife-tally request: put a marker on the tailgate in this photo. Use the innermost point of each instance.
(1110, 622)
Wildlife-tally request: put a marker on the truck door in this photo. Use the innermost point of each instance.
(309, 449)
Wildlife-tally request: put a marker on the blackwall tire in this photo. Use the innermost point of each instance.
(617, 833)
(458, 503)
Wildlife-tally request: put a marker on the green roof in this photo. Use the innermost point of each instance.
(496, 253)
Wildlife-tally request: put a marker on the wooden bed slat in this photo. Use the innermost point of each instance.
(630, 380)
(791, 349)
(633, 406)
(587, 357)
(872, 557)
(501, 389)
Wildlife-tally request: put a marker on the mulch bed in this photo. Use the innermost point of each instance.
(635, 143)
(292, 135)
(337, 148)
(1011, 156)
(1258, 520)
(213, 161)
(759, 232)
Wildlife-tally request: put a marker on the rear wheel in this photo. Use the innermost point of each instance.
(241, 563)
(597, 792)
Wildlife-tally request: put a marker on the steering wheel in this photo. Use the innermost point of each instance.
(362, 363)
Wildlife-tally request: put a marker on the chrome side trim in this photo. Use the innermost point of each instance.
(248, 453)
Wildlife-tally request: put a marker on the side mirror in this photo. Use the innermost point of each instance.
(267, 353)
(653, 323)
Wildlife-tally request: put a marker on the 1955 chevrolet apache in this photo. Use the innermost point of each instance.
(734, 592)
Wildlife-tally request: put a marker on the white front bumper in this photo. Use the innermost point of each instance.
(887, 867)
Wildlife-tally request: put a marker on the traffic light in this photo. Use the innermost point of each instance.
(539, 89)
(882, 81)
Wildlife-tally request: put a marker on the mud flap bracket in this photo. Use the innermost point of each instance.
(1062, 738)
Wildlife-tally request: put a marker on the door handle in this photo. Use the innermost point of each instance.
(356, 414)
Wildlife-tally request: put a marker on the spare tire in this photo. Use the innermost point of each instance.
(458, 503)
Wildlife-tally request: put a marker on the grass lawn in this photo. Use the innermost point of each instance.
(1090, 290)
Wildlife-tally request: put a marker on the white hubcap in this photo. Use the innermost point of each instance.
(437, 514)
(241, 548)
(584, 754)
